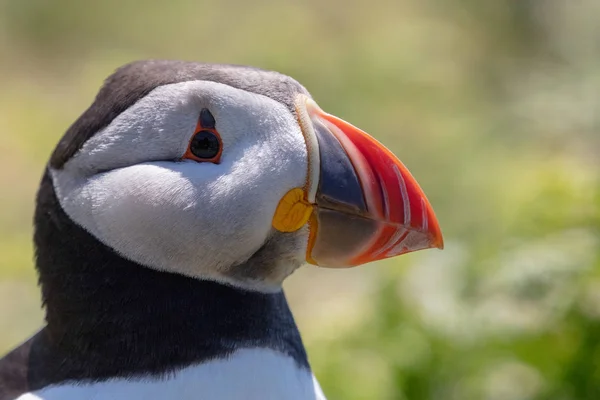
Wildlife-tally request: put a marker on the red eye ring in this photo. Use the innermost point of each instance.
(206, 144)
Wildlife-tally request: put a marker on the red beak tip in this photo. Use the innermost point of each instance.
(437, 240)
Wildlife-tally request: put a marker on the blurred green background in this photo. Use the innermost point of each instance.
(493, 105)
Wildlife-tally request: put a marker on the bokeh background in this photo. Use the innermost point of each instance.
(493, 105)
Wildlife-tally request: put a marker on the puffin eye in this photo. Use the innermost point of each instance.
(206, 144)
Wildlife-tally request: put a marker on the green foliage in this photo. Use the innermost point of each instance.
(492, 105)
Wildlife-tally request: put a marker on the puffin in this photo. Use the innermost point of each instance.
(167, 219)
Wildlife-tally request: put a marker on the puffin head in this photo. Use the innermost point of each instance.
(235, 175)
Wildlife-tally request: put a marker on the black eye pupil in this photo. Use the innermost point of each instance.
(205, 144)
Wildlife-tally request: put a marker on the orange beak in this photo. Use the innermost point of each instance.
(366, 205)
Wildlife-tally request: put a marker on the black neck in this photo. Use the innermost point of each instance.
(112, 317)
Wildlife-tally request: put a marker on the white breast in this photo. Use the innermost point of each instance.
(247, 374)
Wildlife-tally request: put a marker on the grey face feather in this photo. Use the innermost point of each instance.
(275, 260)
(134, 81)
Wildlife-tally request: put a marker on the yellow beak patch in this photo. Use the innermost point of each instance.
(293, 211)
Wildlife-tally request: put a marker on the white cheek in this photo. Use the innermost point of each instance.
(163, 215)
(190, 218)
(194, 219)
